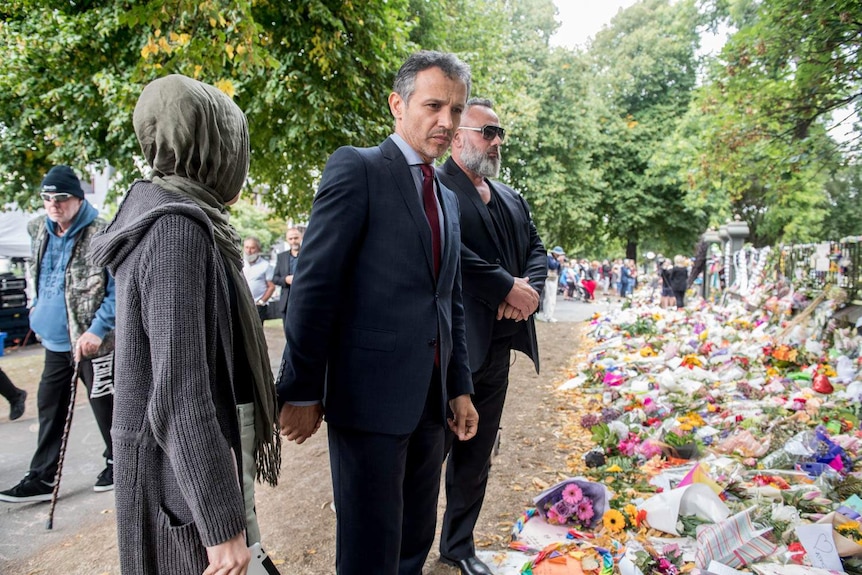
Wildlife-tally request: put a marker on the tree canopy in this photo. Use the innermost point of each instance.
(309, 75)
(637, 141)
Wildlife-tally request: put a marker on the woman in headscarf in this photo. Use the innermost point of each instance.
(191, 360)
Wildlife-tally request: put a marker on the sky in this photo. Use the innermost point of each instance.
(581, 19)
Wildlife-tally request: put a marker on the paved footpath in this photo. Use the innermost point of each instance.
(22, 525)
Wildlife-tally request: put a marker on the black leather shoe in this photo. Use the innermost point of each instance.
(16, 408)
(469, 566)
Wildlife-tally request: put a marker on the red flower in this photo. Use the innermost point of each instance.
(797, 552)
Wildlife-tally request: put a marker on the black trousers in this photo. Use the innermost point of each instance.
(53, 397)
(680, 298)
(7, 388)
(470, 461)
(385, 489)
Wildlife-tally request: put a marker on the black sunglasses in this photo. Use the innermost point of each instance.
(489, 132)
(59, 198)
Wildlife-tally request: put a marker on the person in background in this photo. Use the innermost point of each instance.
(627, 282)
(570, 277)
(665, 265)
(503, 266)
(16, 397)
(588, 280)
(549, 295)
(195, 410)
(258, 275)
(285, 267)
(376, 342)
(607, 274)
(73, 315)
(679, 280)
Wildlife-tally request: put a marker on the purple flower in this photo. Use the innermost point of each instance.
(589, 420)
(563, 509)
(610, 414)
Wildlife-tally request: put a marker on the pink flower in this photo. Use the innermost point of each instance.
(553, 517)
(584, 510)
(572, 494)
(649, 449)
(628, 446)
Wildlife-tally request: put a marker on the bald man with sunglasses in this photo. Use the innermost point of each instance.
(503, 270)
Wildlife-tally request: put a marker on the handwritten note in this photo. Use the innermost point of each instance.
(820, 546)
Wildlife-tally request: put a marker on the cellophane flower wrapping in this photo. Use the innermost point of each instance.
(574, 501)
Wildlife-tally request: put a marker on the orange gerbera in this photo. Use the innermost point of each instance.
(614, 521)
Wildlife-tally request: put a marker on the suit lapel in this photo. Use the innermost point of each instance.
(448, 204)
(406, 185)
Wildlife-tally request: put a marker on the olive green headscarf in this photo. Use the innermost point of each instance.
(195, 138)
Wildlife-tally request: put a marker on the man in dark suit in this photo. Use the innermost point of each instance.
(503, 266)
(285, 267)
(376, 339)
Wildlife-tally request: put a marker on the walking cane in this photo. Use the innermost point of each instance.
(50, 523)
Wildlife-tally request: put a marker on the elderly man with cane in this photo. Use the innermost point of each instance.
(73, 315)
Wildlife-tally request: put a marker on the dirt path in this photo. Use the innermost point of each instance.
(298, 526)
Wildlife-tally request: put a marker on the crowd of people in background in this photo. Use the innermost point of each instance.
(581, 279)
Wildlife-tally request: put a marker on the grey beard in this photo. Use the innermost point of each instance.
(251, 259)
(479, 163)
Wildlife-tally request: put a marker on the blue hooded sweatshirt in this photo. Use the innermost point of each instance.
(48, 317)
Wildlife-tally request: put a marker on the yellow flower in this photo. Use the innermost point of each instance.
(631, 511)
(614, 468)
(226, 86)
(614, 521)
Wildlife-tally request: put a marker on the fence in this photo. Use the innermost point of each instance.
(827, 263)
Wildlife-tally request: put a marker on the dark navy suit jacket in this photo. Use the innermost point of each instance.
(365, 311)
(486, 282)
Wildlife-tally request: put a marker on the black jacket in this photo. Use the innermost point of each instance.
(486, 282)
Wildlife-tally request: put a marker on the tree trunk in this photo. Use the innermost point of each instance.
(632, 249)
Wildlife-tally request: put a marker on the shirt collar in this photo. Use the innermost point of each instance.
(412, 156)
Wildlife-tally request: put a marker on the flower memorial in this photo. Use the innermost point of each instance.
(753, 409)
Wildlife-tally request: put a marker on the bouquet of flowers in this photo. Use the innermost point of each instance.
(668, 561)
(575, 502)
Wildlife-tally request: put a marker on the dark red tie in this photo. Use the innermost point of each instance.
(431, 213)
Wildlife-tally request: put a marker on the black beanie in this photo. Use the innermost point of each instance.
(61, 179)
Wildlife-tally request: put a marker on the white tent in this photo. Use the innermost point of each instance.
(14, 240)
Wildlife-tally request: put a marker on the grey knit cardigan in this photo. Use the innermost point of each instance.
(174, 430)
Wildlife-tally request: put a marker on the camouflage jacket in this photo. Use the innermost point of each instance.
(86, 283)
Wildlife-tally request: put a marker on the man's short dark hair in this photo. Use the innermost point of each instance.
(484, 102)
(454, 68)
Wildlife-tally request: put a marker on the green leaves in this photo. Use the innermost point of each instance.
(311, 76)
